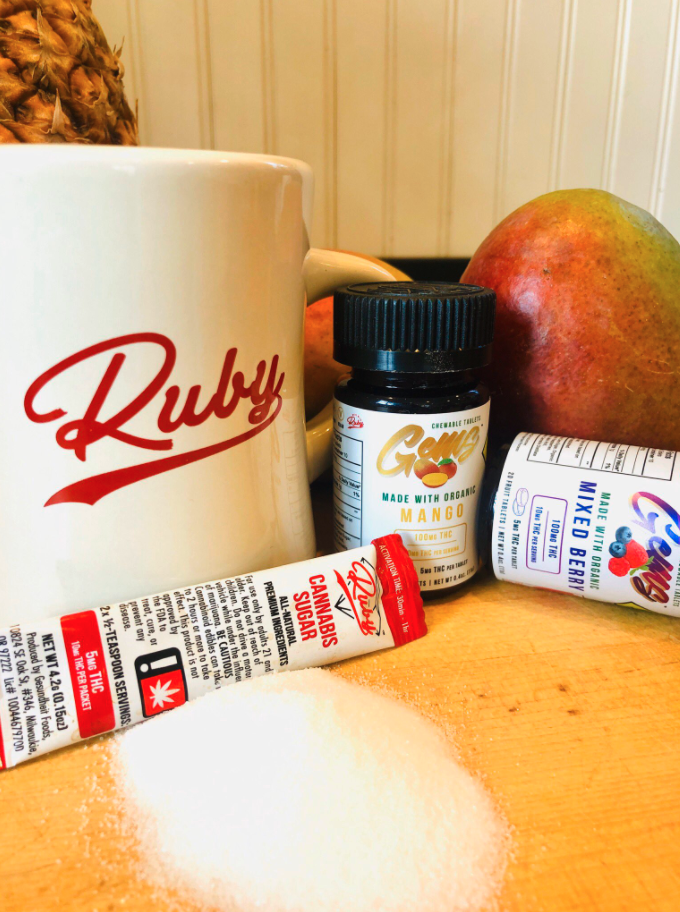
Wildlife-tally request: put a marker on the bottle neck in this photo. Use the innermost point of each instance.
(455, 381)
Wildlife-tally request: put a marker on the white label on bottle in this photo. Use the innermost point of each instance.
(598, 520)
(418, 475)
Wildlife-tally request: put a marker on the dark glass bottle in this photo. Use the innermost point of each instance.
(410, 424)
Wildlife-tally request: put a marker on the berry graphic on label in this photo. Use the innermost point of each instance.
(423, 467)
(448, 467)
(623, 534)
(619, 566)
(617, 549)
(636, 555)
(435, 479)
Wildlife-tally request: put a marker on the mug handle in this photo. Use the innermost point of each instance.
(324, 271)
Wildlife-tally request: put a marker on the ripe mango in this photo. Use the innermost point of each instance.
(587, 339)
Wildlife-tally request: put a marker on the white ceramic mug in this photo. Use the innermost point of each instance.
(151, 361)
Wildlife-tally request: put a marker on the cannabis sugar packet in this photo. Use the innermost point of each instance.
(80, 675)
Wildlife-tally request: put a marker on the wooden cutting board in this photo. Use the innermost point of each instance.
(569, 710)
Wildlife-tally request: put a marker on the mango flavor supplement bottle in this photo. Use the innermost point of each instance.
(411, 424)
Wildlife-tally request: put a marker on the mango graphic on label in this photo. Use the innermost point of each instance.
(435, 479)
(424, 467)
(432, 474)
(448, 467)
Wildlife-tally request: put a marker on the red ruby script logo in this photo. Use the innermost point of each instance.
(78, 434)
(354, 421)
(360, 589)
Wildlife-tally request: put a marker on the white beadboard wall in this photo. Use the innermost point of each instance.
(426, 121)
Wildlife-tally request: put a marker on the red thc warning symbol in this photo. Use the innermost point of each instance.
(162, 684)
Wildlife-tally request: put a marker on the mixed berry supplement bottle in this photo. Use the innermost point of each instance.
(599, 520)
(411, 423)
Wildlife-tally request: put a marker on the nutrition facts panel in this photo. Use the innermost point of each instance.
(347, 478)
(621, 459)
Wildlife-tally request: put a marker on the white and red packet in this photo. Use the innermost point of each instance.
(66, 679)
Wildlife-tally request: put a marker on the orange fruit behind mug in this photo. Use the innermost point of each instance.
(321, 371)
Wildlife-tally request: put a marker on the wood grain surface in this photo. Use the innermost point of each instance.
(568, 709)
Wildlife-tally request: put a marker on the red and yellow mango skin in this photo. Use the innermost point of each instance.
(587, 339)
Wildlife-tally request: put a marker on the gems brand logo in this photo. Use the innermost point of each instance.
(653, 580)
(172, 409)
(433, 460)
(458, 445)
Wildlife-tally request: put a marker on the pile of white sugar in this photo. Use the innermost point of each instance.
(302, 791)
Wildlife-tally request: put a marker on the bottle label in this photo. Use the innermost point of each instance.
(417, 475)
(598, 520)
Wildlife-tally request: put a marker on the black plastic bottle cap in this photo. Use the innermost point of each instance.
(413, 326)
